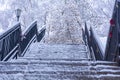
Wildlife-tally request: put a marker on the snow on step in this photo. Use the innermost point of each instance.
(57, 70)
(32, 59)
(53, 65)
(57, 51)
(57, 76)
(44, 66)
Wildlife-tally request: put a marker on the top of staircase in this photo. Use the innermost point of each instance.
(58, 51)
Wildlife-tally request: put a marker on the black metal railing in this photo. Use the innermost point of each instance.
(112, 46)
(41, 34)
(14, 42)
(9, 41)
(96, 45)
(28, 36)
(87, 33)
(111, 40)
(92, 42)
(112, 51)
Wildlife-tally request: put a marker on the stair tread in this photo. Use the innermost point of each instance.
(58, 51)
(49, 59)
(60, 71)
(62, 75)
(79, 61)
(57, 77)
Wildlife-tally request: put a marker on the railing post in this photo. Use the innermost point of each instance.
(118, 32)
(84, 36)
(112, 47)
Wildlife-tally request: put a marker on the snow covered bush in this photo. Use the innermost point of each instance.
(98, 13)
(63, 24)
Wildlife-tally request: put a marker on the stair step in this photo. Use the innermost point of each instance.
(79, 61)
(102, 63)
(58, 51)
(45, 77)
(43, 66)
(114, 68)
(56, 47)
(82, 72)
(54, 68)
(55, 55)
(74, 77)
(107, 71)
(34, 72)
(57, 66)
(57, 76)
(30, 59)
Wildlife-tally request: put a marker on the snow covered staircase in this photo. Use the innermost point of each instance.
(58, 62)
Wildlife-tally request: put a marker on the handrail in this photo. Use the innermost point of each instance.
(9, 40)
(96, 45)
(112, 51)
(14, 42)
(27, 35)
(87, 32)
(34, 23)
(112, 41)
(30, 35)
(41, 34)
(92, 42)
(12, 53)
(10, 31)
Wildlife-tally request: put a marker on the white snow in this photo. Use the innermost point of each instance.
(104, 41)
(1, 30)
(57, 51)
(108, 75)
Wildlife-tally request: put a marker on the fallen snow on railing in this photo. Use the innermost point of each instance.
(97, 38)
(103, 41)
